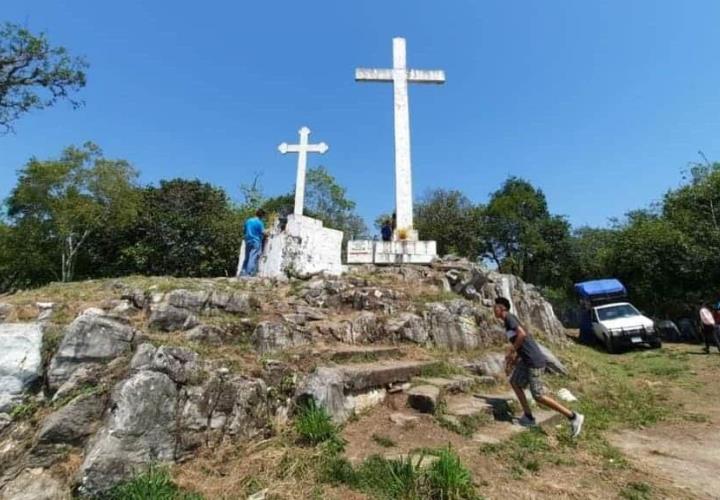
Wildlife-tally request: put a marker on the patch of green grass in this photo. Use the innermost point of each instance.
(429, 297)
(398, 478)
(314, 425)
(24, 411)
(403, 478)
(464, 425)
(448, 478)
(442, 369)
(636, 491)
(52, 336)
(84, 390)
(383, 441)
(156, 484)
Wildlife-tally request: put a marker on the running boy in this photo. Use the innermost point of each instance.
(527, 363)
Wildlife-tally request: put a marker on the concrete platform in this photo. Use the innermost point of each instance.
(391, 252)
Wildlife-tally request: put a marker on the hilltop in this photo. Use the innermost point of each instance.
(386, 382)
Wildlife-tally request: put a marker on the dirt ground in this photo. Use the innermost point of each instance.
(678, 458)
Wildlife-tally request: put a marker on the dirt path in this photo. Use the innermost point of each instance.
(689, 456)
(684, 452)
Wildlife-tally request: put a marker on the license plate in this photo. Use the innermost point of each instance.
(635, 340)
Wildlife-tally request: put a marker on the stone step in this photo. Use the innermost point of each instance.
(424, 398)
(350, 353)
(451, 384)
(464, 405)
(498, 432)
(360, 376)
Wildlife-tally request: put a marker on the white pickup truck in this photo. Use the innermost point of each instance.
(605, 316)
(620, 325)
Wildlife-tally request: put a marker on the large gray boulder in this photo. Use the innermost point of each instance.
(233, 407)
(554, 365)
(326, 387)
(407, 326)
(140, 431)
(20, 361)
(457, 325)
(92, 338)
(527, 302)
(168, 318)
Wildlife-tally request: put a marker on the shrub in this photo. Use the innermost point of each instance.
(449, 479)
(154, 484)
(314, 425)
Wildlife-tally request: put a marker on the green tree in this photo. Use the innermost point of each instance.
(34, 74)
(326, 200)
(522, 237)
(654, 259)
(185, 228)
(69, 200)
(452, 220)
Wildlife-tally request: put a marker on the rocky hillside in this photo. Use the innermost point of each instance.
(99, 381)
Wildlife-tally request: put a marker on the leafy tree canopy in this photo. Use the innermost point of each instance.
(34, 74)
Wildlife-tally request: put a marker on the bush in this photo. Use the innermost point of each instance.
(154, 484)
(314, 425)
(449, 479)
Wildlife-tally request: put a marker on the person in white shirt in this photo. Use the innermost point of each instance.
(708, 328)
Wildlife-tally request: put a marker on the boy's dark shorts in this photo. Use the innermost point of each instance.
(524, 376)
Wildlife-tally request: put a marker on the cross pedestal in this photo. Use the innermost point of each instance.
(301, 247)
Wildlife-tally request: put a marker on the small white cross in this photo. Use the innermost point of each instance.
(302, 150)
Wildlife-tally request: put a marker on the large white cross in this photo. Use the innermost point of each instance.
(302, 150)
(400, 75)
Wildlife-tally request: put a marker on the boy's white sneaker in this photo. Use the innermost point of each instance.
(577, 424)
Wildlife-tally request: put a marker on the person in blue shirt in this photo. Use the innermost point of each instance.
(254, 235)
(386, 230)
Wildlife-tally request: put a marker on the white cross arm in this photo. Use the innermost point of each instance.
(426, 76)
(373, 75)
(297, 148)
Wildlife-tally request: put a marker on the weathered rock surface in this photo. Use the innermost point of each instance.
(92, 338)
(224, 407)
(271, 336)
(554, 365)
(74, 422)
(5, 311)
(181, 365)
(456, 325)
(20, 361)
(140, 431)
(35, 484)
(169, 318)
(424, 398)
(328, 385)
(408, 326)
(206, 334)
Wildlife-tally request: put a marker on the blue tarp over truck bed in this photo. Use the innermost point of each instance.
(600, 289)
(593, 293)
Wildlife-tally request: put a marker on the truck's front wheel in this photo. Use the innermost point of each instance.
(610, 345)
(655, 343)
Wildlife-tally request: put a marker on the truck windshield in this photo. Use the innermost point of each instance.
(618, 311)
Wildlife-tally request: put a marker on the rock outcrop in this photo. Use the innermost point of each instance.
(92, 338)
(20, 361)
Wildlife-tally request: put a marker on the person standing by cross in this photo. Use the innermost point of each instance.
(254, 236)
(525, 364)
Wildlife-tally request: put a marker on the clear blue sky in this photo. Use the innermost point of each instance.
(601, 104)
